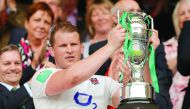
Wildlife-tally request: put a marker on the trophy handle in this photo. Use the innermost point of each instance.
(151, 21)
(151, 25)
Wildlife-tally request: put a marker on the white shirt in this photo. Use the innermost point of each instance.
(26, 85)
(94, 93)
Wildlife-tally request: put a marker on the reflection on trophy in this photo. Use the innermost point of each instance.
(138, 94)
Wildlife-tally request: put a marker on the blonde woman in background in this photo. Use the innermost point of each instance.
(99, 23)
(180, 15)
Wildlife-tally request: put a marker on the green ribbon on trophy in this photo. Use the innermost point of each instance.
(128, 49)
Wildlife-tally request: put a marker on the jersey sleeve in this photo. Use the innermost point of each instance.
(39, 81)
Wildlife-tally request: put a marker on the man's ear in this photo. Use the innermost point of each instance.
(51, 51)
(82, 48)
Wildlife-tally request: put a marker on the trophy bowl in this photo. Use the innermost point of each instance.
(138, 94)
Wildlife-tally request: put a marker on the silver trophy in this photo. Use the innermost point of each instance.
(138, 94)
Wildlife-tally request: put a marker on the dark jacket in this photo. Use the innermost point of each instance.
(94, 47)
(183, 59)
(14, 100)
(164, 79)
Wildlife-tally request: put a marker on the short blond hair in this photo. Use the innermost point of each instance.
(10, 47)
(61, 26)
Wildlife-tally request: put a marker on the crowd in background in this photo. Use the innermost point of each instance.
(29, 24)
(13, 15)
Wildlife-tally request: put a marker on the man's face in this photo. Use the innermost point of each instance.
(10, 68)
(67, 49)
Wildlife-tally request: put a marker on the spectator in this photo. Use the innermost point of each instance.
(180, 15)
(34, 45)
(17, 33)
(183, 60)
(99, 24)
(10, 75)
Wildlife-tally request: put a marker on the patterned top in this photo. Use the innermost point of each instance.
(177, 91)
(180, 82)
(27, 53)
